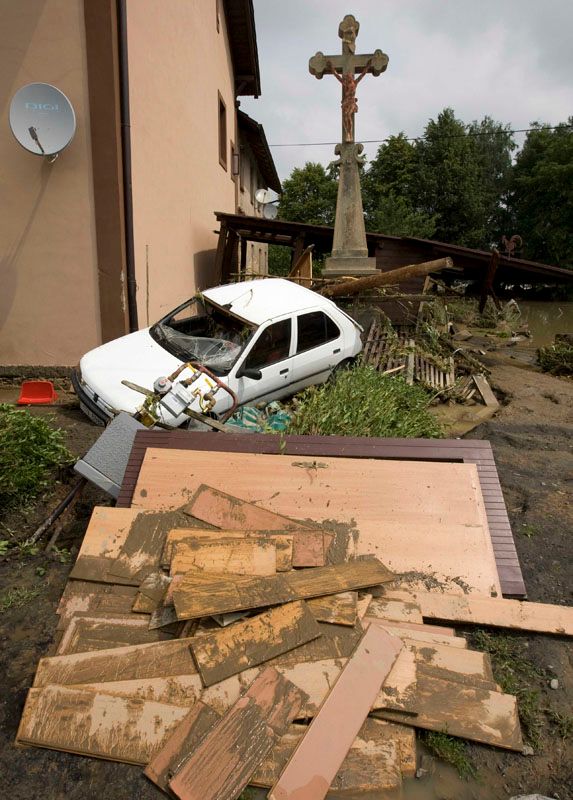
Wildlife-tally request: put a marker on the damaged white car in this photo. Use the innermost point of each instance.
(236, 344)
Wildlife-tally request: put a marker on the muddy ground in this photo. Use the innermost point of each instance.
(531, 436)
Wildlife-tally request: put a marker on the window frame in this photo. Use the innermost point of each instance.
(243, 364)
(222, 128)
(298, 352)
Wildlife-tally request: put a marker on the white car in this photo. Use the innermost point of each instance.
(264, 339)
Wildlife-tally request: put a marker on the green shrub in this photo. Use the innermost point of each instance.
(557, 358)
(29, 449)
(363, 402)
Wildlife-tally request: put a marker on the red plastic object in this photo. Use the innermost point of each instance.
(37, 393)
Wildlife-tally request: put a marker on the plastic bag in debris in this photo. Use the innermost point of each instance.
(272, 418)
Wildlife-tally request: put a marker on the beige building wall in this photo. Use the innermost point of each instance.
(49, 302)
(179, 64)
(257, 260)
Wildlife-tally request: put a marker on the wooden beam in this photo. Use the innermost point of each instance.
(386, 278)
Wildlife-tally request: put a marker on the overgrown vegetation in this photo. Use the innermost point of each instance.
(454, 751)
(466, 311)
(362, 402)
(556, 358)
(29, 449)
(516, 675)
(17, 597)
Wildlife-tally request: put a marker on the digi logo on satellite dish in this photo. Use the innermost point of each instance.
(41, 106)
(42, 119)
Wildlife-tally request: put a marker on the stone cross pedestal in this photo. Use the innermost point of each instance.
(349, 249)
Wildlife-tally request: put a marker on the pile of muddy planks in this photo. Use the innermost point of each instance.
(223, 644)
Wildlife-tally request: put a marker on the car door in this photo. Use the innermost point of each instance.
(318, 348)
(269, 356)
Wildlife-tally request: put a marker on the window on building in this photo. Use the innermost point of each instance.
(222, 133)
(315, 329)
(273, 345)
(235, 163)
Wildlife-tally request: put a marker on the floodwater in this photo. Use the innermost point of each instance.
(546, 318)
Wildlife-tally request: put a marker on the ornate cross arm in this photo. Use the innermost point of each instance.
(375, 64)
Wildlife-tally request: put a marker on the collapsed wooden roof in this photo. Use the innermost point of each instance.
(390, 251)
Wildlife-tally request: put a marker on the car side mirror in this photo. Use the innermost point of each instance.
(253, 374)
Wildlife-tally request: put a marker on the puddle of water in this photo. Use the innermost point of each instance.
(546, 318)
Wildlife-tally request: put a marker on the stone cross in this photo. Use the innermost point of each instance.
(345, 67)
(349, 245)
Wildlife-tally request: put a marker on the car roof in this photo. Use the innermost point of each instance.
(266, 298)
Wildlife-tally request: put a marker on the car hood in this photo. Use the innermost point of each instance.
(136, 358)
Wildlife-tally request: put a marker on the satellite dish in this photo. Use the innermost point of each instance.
(269, 211)
(42, 119)
(263, 196)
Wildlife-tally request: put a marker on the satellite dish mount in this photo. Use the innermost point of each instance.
(42, 119)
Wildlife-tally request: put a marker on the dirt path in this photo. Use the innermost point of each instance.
(532, 438)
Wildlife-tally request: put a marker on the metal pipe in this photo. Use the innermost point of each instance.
(126, 164)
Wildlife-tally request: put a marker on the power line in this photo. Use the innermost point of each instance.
(424, 138)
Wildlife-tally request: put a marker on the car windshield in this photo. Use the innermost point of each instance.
(201, 332)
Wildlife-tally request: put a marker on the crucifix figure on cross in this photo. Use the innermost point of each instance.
(345, 67)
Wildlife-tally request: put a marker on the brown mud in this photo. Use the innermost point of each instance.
(532, 436)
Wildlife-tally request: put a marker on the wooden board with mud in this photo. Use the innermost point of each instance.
(141, 552)
(283, 542)
(421, 634)
(87, 596)
(236, 556)
(246, 644)
(338, 609)
(176, 748)
(465, 711)
(151, 593)
(318, 757)
(494, 611)
(122, 663)
(96, 724)
(227, 511)
(87, 633)
(200, 595)
(442, 529)
(373, 763)
(228, 755)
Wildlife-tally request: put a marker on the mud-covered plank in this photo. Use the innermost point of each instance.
(222, 764)
(424, 634)
(95, 632)
(316, 761)
(84, 596)
(225, 511)
(238, 556)
(151, 592)
(199, 595)
(336, 641)
(188, 734)
(283, 542)
(253, 641)
(495, 611)
(466, 711)
(373, 763)
(141, 552)
(96, 724)
(105, 535)
(339, 609)
(121, 663)
(394, 610)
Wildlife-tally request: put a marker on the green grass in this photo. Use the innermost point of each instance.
(29, 450)
(528, 530)
(562, 724)
(363, 402)
(517, 675)
(17, 597)
(454, 751)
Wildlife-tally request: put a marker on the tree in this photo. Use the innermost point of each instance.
(542, 194)
(389, 192)
(493, 144)
(448, 176)
(309, 196)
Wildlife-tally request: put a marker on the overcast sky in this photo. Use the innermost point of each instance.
(511, 59)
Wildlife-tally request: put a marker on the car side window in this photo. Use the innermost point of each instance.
(272, 345)
(315, 329)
